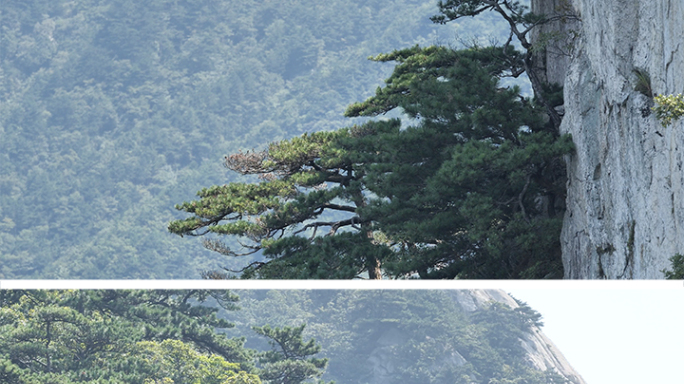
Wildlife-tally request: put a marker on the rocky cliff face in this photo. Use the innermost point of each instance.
(542, 354)
(625, 202)
(557, 38)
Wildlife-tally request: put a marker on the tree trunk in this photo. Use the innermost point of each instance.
(373, 267)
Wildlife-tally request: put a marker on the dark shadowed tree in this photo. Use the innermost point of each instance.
(521, 22)
(474, 186)
(471, 187)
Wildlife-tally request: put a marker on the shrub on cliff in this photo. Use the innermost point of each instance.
(677, 272)
(668, 108)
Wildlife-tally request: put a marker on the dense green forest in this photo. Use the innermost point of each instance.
(150, 337)
(113, 111)
(288, 337)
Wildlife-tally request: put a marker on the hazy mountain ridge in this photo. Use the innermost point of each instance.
(413, 336)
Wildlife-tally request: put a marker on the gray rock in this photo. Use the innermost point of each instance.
(542, 354)
(554, 41)
(625, 215)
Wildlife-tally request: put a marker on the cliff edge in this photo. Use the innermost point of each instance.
(625, 198)
(542, 354)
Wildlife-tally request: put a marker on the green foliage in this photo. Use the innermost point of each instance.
(176, 362)
(677, 271)
(113, 111)
(457, 191)
(303, 179)
(503, 327)
(9, 372)
(643, 84)
(137, 337)
(454, 195)
(289, 361)
(668, 108)
(520, 23)
(109, 337)
(84, 336)
(455, 9)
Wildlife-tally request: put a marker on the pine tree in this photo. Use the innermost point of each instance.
(95, 336)
(472, 186)
(521, 22)
(290, 361)
(307, 186)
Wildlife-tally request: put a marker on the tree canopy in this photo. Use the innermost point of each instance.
(290, 361)
(302, 179)
(150, 337)
(469, 185)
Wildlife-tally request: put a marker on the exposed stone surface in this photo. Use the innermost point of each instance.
(554, 41)
(541, 352)
(625, 204)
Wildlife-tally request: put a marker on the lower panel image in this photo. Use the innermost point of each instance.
(274, 336)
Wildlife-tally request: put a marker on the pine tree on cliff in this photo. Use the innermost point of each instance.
(467, 189)
(521, 23)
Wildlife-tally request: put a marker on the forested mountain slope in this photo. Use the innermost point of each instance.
(113, 111)
(218, 337)
(414, 336)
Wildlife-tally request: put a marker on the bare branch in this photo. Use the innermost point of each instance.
(334, 225)
(247, 163)
(315, 166)
(336, 177)
(217, 246)
(259, 264)
(339, 207)
(344, 223)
